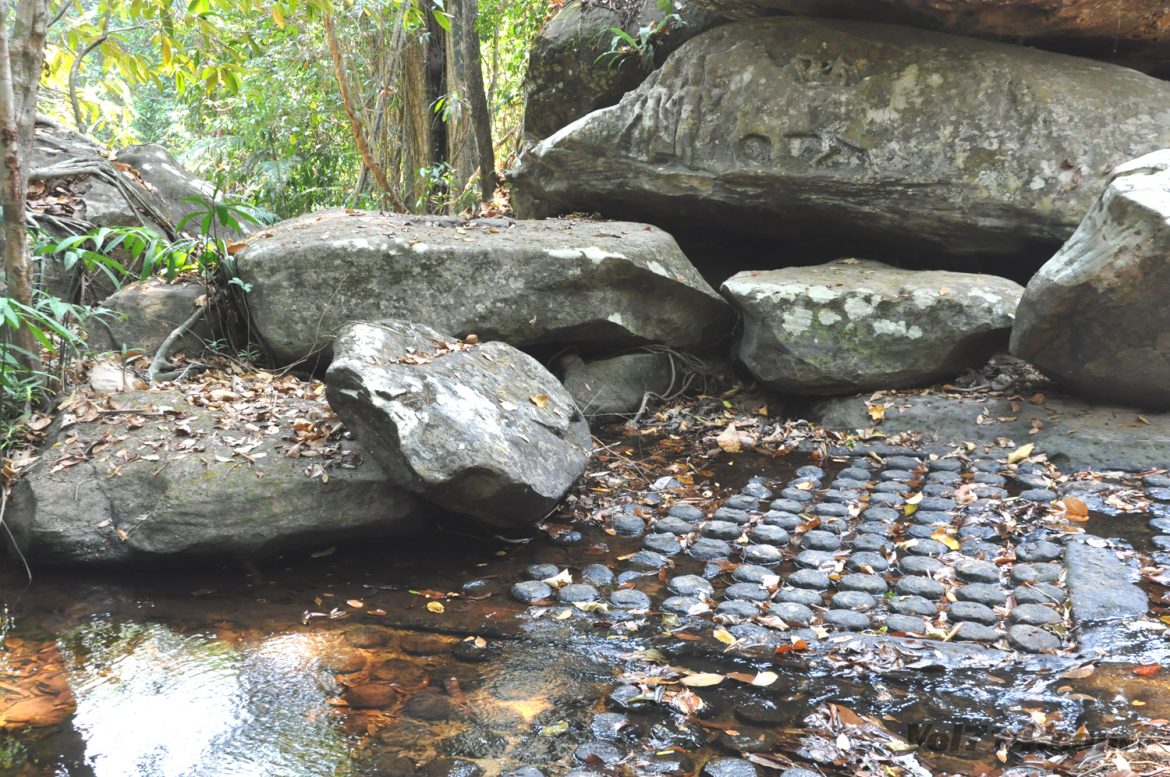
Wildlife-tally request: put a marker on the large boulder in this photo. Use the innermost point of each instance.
(480, 429)
(1106, 28)
(144, 313)
(855, 325)
(838, 138)
(570, 72)
(1095, 317)
(151, 476)
(597, 284)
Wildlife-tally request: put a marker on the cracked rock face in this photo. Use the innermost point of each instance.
(848, 137)
(1094, 317)
(581, 282)
(481, 430)
(854, 325)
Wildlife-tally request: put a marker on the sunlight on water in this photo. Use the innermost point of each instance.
(151, 701)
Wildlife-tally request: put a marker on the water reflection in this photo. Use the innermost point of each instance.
(151, 701)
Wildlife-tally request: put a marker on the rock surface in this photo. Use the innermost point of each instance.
(569, 72)
(853, 325)
(175, 185)
(146, 313)
(601, 284)
(611, 388)
(483, 430)
(1089, 27)
(149, 490)
(1074, 434)
(845, 138)
(1095, 317)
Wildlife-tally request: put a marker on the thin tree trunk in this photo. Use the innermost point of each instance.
(355, 123)
(481, 118)
(22, 52)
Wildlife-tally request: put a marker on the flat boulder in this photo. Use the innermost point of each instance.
(855, 325)
(571, 71)
(153, 476)
(604, 284)
(833, 138)
(1094, 318)
(481, 429)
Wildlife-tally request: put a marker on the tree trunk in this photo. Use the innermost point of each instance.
(22, 54)
(481, 118)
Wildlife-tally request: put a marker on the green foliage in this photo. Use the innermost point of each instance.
(643, 44)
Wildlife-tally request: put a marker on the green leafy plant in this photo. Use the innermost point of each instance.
(643, 44)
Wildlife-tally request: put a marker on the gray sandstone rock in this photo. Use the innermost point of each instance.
(855, 325)
(146, 312)
(855, 138)
(567, 282)
(1094, 318)
(607, 389)
(151, 494)
(482, 430)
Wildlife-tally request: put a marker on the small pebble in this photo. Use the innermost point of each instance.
(897, 474)
(867, 562)
(810, 471)
(975, 571)
(751, 573)
(629, 525)
(691, 585)
(542, 571)
(883, 514)
(761, 554)
(628, 697)
(1040, 593)
(750, 591)
(820, 540)
(611, 726)
(870, 543)
(870, 584)
(577, 592)
(740, 608)
(770, 535)
(1035, 615)
(831, 508)
(903, 462)
(892, 487)
(1038, 495)
(841, 495)
(976, 632)
(1036, 573)
(945, 465)
(734, 516)
(688, 513)
(919, 565)
(1156, 481)
(989, 479)
(913, 605)
(665, 543)
(936, 504)
(853, 600)
(743, 502)
(729, 767)
(931, 518)
(1033, 639)
(571, 537)
(846, 619)
(858, 475)
(805, 596)
(1038, 550)
(783, 520)
(787, 506)
(984, 593)
(814, 558)
(971, 611)
(885, 500)
(758, 490)
(597, 574)
(977, 531)
(920, 586)
(909, 624)
(673, 525)
(708, 549)
(791, 612)
(721, 530)
(876, 528)
(684, 605)
(531, 591)
(630, 599)
(647, 559)
(594, 752)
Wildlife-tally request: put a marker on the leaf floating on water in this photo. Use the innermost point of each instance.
(323, 553)
(555, 729)
(702, 680)
(436, 607)
(1075, 509)
(764, 679)
(1021, 453)
(724, 636)
(563, 578)
(357, 604)
(1147, 671)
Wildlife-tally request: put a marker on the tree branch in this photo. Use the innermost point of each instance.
(168, 345)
